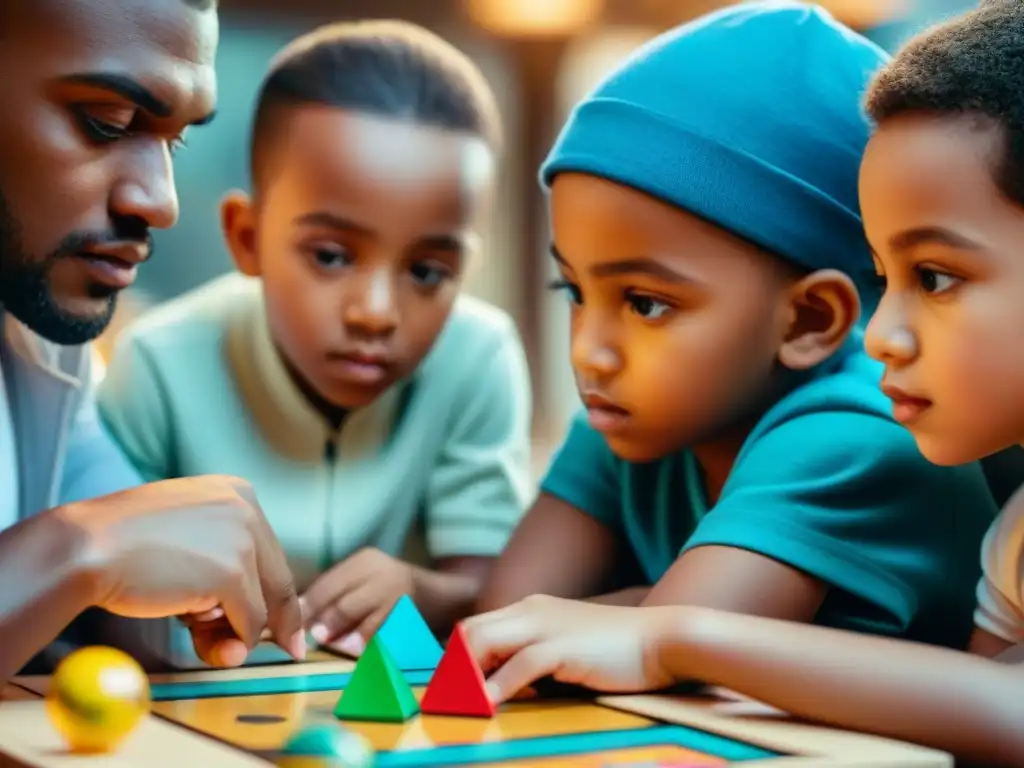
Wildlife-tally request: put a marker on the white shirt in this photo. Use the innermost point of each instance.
(1000, 610)
(9, 498)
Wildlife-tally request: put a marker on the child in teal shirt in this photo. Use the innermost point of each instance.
(381, 415)
(942, 189)
(735, 441)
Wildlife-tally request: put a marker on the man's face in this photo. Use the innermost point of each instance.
(97, 95)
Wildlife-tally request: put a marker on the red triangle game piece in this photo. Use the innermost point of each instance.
(457, 687)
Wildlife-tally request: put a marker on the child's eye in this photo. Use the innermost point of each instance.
(571, 290)
(332, 257)
(429, 275)
(647, 307)
(934, 281)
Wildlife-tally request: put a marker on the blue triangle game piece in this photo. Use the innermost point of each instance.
(408, 638)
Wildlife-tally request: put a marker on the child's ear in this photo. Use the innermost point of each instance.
(238, 222)
(823, 309)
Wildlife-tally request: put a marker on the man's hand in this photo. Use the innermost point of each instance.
(189, 546)
(348, 604)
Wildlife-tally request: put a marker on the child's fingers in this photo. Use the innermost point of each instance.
(374, 621)
(351, 645)
(346, 614)
(480, 619)
(522, 669)
(327, 590)
(354, 643)
(529, 692)
(494, 641)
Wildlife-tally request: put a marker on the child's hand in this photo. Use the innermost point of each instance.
(607, 648)
(347, 605)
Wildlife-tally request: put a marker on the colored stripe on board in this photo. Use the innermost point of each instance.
(573, 744)
(264, 686)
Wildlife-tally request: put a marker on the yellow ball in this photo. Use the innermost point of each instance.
(97, 696)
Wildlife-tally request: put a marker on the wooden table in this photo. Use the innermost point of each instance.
(241, 718)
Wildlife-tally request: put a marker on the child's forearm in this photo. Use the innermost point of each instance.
(630, 597)
(449, 594)
(948, 700)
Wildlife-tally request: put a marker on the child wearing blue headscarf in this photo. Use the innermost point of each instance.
(735, 443)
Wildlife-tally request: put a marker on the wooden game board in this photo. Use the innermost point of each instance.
(239, 718)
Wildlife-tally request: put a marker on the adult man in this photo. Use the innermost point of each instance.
(96, 95)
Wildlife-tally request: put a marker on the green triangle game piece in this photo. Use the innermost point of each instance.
(378, 690)
(408, 638)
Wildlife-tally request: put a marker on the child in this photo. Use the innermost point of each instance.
(943, 197)
(706, 227)
(341, 372)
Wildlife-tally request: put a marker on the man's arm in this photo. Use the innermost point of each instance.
(45, 586)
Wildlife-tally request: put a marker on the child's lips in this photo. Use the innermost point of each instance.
(906, 408)
(360, 368)
(604, 415)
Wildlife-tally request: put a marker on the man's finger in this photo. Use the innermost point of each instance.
(210, 615)
(217, 645)
(277, 584)
(243, 603)
(522, 669)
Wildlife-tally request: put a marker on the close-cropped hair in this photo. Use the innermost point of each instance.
(391, 69)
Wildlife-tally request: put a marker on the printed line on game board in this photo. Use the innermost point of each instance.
(264, 686)
(563, 745)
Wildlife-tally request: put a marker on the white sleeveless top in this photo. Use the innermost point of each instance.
(1000, 608)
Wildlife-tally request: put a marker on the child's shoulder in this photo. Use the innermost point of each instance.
(196, 318)
(850, 386)
(1000, 609)
(476, 333)
(841, 418)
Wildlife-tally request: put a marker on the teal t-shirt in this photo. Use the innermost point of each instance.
(828, 483)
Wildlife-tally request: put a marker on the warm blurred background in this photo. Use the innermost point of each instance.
(540, 56)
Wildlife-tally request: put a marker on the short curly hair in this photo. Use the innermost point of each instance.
(972, 65)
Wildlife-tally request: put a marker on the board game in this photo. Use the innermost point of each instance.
(243, 718)
(240, 718)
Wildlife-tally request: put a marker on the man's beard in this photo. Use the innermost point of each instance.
(25, 284)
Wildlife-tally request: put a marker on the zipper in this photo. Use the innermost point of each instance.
(330, 458)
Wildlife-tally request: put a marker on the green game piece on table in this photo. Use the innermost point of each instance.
(377, 691)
